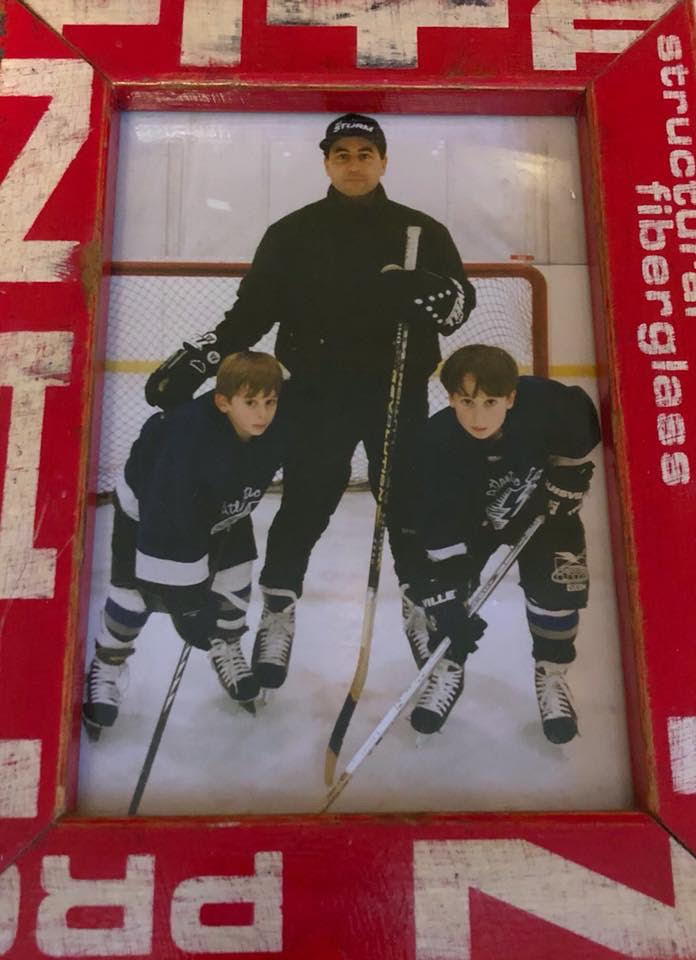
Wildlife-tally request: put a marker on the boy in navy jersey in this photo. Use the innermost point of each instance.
(507, 448)
(182, 540)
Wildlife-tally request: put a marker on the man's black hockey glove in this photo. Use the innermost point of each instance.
(443, 595)
(421, 296)
(565, 487)
(176, 380)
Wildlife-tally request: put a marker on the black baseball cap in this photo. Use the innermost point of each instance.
(354, 125)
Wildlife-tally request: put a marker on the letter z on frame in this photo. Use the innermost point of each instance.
(41, 163)
(551, 888)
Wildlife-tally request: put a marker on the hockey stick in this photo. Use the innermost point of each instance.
(395, 385)
(475, 601)
(159, 729)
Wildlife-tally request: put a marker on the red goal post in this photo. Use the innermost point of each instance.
(154, 306)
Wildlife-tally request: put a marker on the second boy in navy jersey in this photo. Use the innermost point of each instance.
(506, 449)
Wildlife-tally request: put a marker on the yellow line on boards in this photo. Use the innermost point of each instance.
(560, 370)
(131, 366)
(563, 370)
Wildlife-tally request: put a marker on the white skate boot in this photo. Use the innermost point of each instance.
(105, 684)
(273, 644)
(415, 627)
(233, 671)
(558, 717)
(441, 692)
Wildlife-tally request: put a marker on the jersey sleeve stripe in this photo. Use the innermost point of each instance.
(444, 553)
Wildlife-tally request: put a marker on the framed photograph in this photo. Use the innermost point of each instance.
(223, 202)
(146, 150)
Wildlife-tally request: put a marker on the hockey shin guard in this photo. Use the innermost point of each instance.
(234, 585)
(125, 614)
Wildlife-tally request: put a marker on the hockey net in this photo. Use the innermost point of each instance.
(153, 307)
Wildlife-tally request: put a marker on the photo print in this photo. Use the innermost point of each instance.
(196, 194)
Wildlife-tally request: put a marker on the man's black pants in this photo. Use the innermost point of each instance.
(328, 424)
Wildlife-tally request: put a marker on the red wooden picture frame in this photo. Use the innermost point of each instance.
(427, 887)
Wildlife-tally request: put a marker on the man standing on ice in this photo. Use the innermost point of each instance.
(319, 272)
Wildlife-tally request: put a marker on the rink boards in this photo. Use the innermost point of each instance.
(426, 887)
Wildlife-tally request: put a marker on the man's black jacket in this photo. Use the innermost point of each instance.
(317, 272)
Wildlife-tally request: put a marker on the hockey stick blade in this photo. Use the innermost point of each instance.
(397, 376)
(341, 725)
(473, 604)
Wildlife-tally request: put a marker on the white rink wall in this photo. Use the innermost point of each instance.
(204, 186)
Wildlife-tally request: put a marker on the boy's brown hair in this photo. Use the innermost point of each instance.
(250, 371)
(493, 369)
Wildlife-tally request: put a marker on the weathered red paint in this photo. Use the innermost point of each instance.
(662, 577)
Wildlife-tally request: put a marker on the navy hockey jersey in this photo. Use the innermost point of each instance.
(189, 476)
(469, 489)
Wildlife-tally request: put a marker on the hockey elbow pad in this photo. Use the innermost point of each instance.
(566, 485)
(176, 380)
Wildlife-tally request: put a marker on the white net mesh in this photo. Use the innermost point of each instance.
(149, 317)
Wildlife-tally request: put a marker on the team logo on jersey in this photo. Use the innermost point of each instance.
(510, 493)
(233, 511)
(570, 570)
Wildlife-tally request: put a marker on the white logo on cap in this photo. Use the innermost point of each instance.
(353, 124)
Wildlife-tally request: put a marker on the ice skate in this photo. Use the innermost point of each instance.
(233, 672)
(271, 655)
(104, 687)
(558, 717)
(441, 692)
(415, 628)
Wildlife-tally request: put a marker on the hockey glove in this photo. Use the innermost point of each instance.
(566, 486)
(443, 596)
(194, 612)
(176, 380)
(421, 296)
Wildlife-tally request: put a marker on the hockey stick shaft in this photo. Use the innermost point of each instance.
(159, 729)
(473, 604)
(395, 387)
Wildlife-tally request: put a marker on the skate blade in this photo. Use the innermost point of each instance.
(246, 706)
(93, 730)
(423, 739)
(265, 697)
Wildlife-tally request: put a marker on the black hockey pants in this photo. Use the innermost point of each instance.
(231, 553)
(328, 424)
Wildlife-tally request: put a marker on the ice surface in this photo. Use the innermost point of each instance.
(491, 755)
